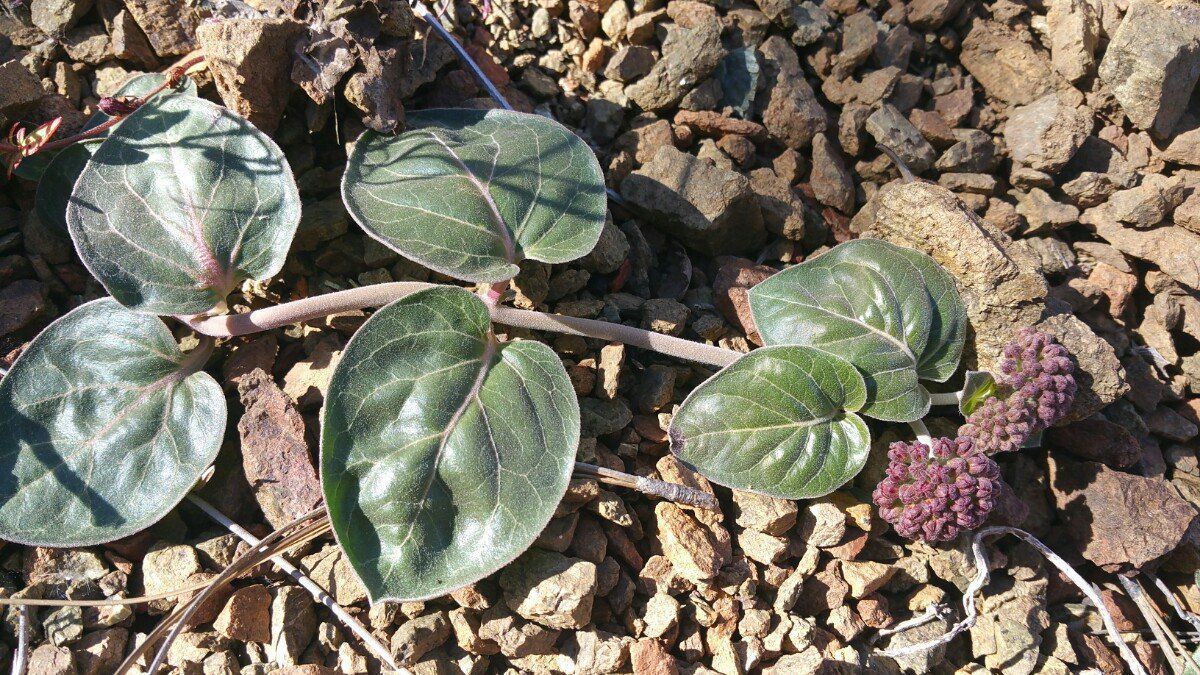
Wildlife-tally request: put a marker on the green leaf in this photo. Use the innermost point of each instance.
(57, 182)
(890, 311)
(978, 386)
(104, 427)
(779, 421)
(183, 202)
(471, 193)
(140, 85)
(444, 453)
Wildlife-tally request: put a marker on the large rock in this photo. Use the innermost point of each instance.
(20, 90)
(709, 208)
(1105, 513)
(1152, 63)
(1171, 247)
(1004, 65)
(168, 24)
(999, 282)
(789, 108)
(696, 551)
(1074, 30)
(251, 63)
(1045, 134)
(1098, 372)
(550, 588)
(689, 57)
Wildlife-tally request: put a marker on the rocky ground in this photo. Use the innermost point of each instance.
(1058, 148)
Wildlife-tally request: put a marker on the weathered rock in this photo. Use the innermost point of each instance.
(1153, 62)
(246, 615)
(1098, 373)
(831, 182)
(275, 454)
(166, 567)
(550, 588)
(20, 90)
(21, 303)
(101, 652)
(651, 657)
(169, 25)
(1045, 134)
(417, 637)
(129, 43)
(48, 659)
(251, 62)
(697, 552)
(973, 151)
(893, 131)
(783, 211)
(708, 208)
(822, 524)
(515, 636)
(1098, 440)
(293, 624)
(789, 108)
(55, 17)
(1104, 513)
(929, 15)
(1074, 30)
(689, 56)
(999, 282)
(332, 572)
(1004, 65)
(770, 515)
(595, 651)
(1147, 204)
(730, 287)
(629, 63)
(1168, 246)
(88, 44)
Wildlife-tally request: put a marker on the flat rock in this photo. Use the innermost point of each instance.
(1170, 247)
(550, 588)
(1152, 63)
(275, 453)
(689, 57)
(1045, 134)
(1007, 67)
(1105, 514)
(709, 208)
(789, 108)
(251, 62)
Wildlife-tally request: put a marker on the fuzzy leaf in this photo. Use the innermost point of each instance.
(779, 421)
(890, 311)
(57, 182)
(104, 427)
(183, 202)
(443, 452)
(471, 193)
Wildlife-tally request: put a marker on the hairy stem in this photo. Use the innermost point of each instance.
(922, 433)
(379, 295)
(949, 398)
(21, 657)
(656, 488)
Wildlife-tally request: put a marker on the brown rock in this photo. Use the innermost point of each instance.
(275, 453)
(689, 57)
(790, 110)
(650, 657)
(48, 659)
(550, 588)
(1046, 133)
(1074, 31)
(1098, 440)
(101, 652)
(769, 515)
(1005, 66)
(251, 63)
(417, 637)
(831, 182)
(730, 288)
(20, 90)
(55, 17)
(1104, 512)
(716, 125)
(783, 210)
(1098, 372)
(247, 615)
(21, 303)
(696, 551)
(129, 43)
(169, 25)
(1170, 247)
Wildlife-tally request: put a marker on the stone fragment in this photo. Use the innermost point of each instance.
(661, 616)
(929, 15)
(308, 380)
(550, 588)
(830, 180)
(20, 90)
(629, 63)
(784, 212)
(332, 572)
(251, 62)
(169, 25)
(696, 551)
(1073, 27)
(1098, 440)
(166, 567)
(100, 653)
(88, 44)
(275, 454)
(1098, 373)
(734, 280)
(48, 659)
(293, 624)
(892, 130)
(418, 636)
(1007, 68)
(1152, 63)
(789, 108)
(56, 17)
(651, 657)
(21, 303)
(515, 636)
(1149, 203)
(769, 515)
(822, 524)
(1169, 247)
(129, 43)
(710, 209)
(1045, 134)
(865, 576)
(665, 315)
(689, 57)
(1104, 514)
(246, 615)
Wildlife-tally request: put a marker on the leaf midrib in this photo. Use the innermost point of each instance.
(510, 250)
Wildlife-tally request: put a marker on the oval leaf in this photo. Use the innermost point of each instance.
(104, 427)
(443, 452)
(57, 182)
(183, 202)
(779, 421)
(874, 304)
(470, 193)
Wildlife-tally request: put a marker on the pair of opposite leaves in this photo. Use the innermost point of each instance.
(435, 473)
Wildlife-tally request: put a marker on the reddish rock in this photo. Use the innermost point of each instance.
(709, 123)
(1098, 440)
(650, 657)
(246, 615)
(730, 292)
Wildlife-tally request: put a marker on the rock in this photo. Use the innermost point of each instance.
(1187, 214)
(893, 131)
(769, 515)
(247, 615)
(1167, 246)
(689, 57)
(783, 210)
(169, 25)
(516, 637)
(1007, 68)
(822, 524)
(664, 315)
(734, 280)
(251, 62)
(550, 588)
(999, 282)
(831, 182)
(56, 17)
(662, 615)
(610, 252)
(330, 569)
(63, 625)
(600, 418)
(1171, 425)
(929, 15)
(710, 209)
(50, 660)
(1096, 439)
(859, 37)
(709, 123)
(1104, 514)
(973, 151)
(166, 567)
(275, 454)
(1098, 373)
(865, 576)
(88, 44)
(293, 624)
(595, 651)
(1045, 134)
(1184, 147)
(101, 652)
(417, 637)
(1042, 214)
(1073, 27)
(1147, 204)
(788, 107)
(21, 303)
(20, 90)
(129, 43)
(308, 380)
(762, 548)
(696, 551)
(651, 657)
(629, 63)
(1152, 63)
(321, 222)
(812, 21)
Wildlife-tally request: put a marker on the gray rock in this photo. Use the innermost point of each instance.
(1153, 62)
(689, 57)
(895, 132)
(56, 17)
(972, 152)
(419, 636)
(1045, 134)
(789, 108)
(1149, 203)
(831, 182)
(629, 63)
(710, 209)
(811, 21)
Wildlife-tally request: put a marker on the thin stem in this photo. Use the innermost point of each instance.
(308, 584)
(423, 12)
(655, 488)
(21, 658)
(922, 432)
(1171, 647)
(1187, 616)
(379, 295)
(949, 398)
